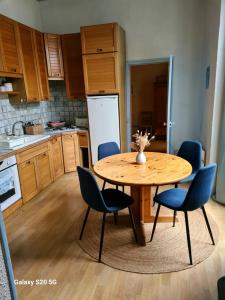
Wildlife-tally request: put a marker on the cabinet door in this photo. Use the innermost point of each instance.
(9, 46)
(99, 38)
(29, 63)
(101, 73)
(28, 179)
(43, 170)
(54, 56)
(73, 67)
(56, 157)
(41, 65)
(69, 152)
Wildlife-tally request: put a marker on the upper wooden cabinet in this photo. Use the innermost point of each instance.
(99, 38)
(54, 56)
(29, 63)
(101, 73)
(41, 65)
(73, 67)
(10, 61)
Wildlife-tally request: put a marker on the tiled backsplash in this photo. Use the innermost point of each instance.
(59, 108)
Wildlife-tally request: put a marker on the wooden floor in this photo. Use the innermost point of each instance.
(43, 246)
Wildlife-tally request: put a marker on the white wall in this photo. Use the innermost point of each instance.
(212, 23)
(154, 28)
(24, 11)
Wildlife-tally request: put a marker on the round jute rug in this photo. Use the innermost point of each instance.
(167, 252)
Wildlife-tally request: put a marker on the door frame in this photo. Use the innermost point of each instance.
(129, 64)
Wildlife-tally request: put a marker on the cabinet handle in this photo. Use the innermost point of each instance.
(13, 69)
(28, 162)
(43, 155)
(99, 49)
(102, 91)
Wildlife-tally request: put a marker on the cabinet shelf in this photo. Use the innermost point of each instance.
(9, 93)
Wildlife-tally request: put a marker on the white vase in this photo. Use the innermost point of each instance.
(141, 158)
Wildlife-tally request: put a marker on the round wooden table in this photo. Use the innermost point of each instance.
(160, 169)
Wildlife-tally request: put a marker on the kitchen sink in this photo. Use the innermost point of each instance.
(16, 142)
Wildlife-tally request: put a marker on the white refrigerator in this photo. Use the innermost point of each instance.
(103, 116)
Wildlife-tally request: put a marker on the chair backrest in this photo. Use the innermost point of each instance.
(192, 152)
(107, 149)
(201, 188)
(90, 190)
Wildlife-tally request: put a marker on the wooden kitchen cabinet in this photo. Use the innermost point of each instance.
(56, 157)
(103, 51)
(101, 73)
(9, 48)
(28, 179)
(44, 173)
(29, 63)
(41, 65)
(99, 38)
(54, 56)
(73, 66)
(69, 154)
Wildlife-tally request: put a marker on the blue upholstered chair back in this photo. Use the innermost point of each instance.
(107, 149)
(201, 188)
(90, 190)
(192, 152)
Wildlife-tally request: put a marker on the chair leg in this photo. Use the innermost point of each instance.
(123, 188)
(174, 217)
(132, 223)
(115, 217)
(176, 185)
(102, 237)
(155, 222)
(117, 187)
(103, 187)
(207, 223)
(156, 192)
(188, 236)
(85, 220)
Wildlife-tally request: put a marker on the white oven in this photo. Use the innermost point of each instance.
(9, 182)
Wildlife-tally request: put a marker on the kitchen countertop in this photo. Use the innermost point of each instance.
(5, 153)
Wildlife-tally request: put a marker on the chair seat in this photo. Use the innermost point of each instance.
(116, 200)
(188, 179)
(172, 198)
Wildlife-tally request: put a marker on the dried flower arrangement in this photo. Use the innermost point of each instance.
(141, 141)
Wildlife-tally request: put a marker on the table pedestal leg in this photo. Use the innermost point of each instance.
(142, 211)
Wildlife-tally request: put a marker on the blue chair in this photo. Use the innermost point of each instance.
(192, 152)
(105, 150)
(108, 149)
(106, 201)
(179, 199)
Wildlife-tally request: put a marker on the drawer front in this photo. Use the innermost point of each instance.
(32, 152)
(83, 140)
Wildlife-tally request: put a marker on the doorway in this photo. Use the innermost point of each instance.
(149, 97)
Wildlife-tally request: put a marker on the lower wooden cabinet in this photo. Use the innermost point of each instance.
(40, 165)
(28, 179)
(34, 170)
(70, 152)
(56, 157)
(43, 170)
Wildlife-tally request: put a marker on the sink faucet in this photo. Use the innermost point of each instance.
(14, 127)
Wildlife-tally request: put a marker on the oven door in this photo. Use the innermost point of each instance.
(9, 187)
